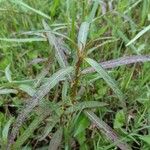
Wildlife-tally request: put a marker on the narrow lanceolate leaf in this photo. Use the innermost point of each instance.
(84, 28)
(82, 36)
(22, 40)
(21, 3)
(8, 91)
(93, 11)
(107, 131)
(8, 73)
(111, 82)
(146, 29)
(119, 62)
(53, 41)
(56, 140)
(83, 105)
(34, 101)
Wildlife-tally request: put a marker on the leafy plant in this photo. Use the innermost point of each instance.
(60, 111)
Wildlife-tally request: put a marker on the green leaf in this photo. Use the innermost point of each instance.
(111, 82)
(6, 129)
(82, 36)
(145, 138)
(93, 11)
(27, 89)
(146, 29)
(84, 28)
(81, 125)
(8, 73)
(119, 62)
(120, 34)
(65, 91)
(8, 91)
(56, 140)
(21, 3)
(86, 104)
(22, 40)
(119, 119)
(145, 11)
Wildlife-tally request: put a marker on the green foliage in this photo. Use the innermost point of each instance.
(111, 82)
(46, 48)
(119, 120)
(81, 125)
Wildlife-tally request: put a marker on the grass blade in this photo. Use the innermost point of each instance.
(146, 29)
(22, 40)
(82, 105)
(119, 62)
(8, 73)
(120, 34)
(93, 11)
(21, 3)
(107, 131)
(8, 91)
(84, 28)
(111, 82)
(132, 6)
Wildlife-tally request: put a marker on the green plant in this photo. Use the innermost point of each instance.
(59, 94)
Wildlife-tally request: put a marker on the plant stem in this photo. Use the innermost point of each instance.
(77, 76)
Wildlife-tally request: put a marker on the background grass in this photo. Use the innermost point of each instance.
(113, 30)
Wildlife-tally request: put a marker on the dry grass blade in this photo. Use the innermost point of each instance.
(107, 131)
(119, 62)
(34, 101)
